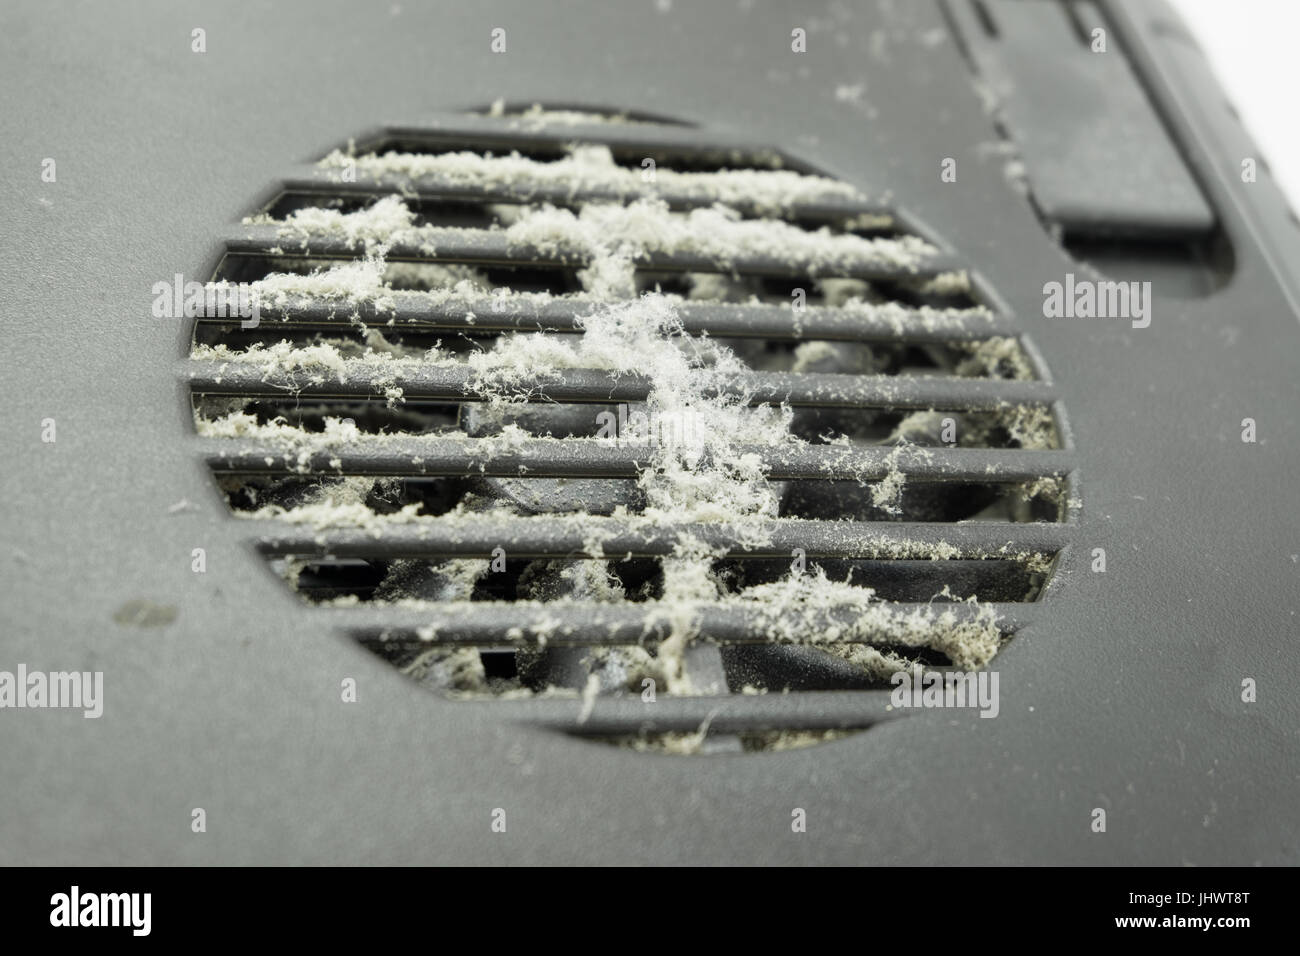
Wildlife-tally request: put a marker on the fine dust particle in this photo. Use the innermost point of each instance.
(142, 612)
(776, 740)
(537, 116)
(691, 743)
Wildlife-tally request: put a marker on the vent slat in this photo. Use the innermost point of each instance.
(604, 458)
(738, 713)
(483, 133)
(326, 184)
(590, 624)
(889, 322)
(546, 536)
(493, 248)
(458, 383)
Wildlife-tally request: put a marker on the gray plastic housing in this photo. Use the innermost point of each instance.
(1126, 695)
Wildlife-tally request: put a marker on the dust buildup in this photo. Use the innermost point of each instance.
(777, 740)
(387, 221)
(343, 285)
(537, 116)
(997, 357)
(588, 168)
(647, 227)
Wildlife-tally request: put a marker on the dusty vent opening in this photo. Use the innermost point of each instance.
(647, 435)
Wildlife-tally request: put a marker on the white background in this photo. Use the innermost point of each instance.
(1254, 46)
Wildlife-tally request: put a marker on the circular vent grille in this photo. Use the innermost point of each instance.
(648, 435)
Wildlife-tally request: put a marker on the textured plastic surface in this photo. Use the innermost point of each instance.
(1095, 150)
(1125, 695)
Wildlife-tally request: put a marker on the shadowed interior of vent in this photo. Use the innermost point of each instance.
(674, 442)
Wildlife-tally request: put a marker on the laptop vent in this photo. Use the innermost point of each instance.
(628, 429)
